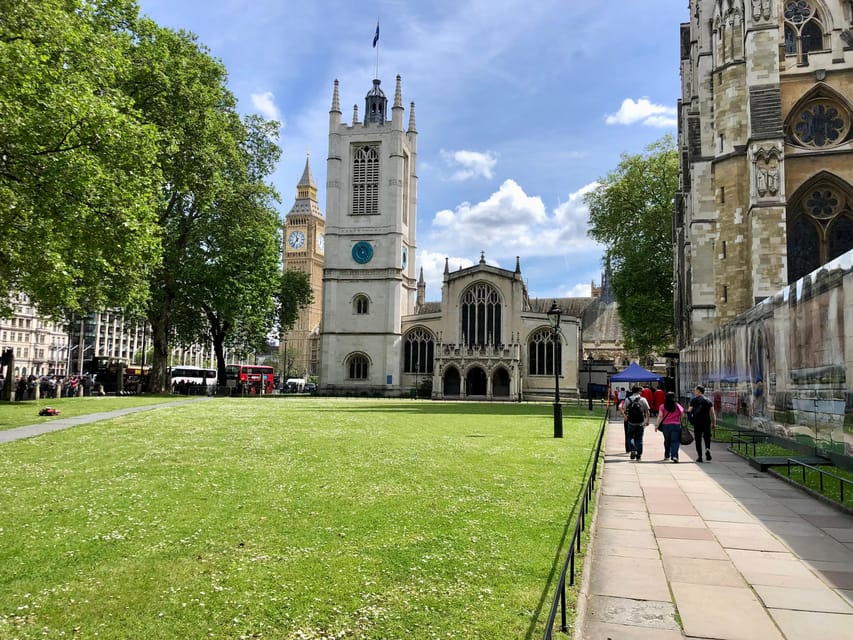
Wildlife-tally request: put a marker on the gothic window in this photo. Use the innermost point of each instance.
(803, 30)
(361, 305)
(820, 226)
(365, 180)
(358, 367)
(821, 123)
(840, 237)
(418, 351)
(481, 316)
(543, 352)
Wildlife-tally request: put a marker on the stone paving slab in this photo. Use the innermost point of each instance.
(730, 552)
(727, 613)
(811, 625)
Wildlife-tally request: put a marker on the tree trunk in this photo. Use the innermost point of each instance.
(161, 327)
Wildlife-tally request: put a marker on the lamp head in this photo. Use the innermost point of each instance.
(554, 314)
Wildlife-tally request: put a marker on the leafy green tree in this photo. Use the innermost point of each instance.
(631, 215)
(207, 157)
(78, 169)
(294, 293)
(229, 273)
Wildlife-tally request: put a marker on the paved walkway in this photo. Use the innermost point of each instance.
(730, 552)
(65, 423)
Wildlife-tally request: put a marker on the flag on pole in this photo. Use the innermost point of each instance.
(376, 37)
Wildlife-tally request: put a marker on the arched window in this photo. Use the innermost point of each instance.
(418, 351)
(804, 30)
(543, 352)
(365, 180)
(358, 367)
(481, 316)
(820, 225)
(361, 305)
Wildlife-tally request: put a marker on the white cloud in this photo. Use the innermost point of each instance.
(580, 290)
(433, 265)
(472, 164)
(264, 103)
(644, 112)
(510, 223)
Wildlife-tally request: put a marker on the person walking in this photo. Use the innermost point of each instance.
(635, 410)
(669, 422)
(703, 418)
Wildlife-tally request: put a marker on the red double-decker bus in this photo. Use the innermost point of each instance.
(250, 379)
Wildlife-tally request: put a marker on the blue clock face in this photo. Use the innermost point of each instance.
(296, 240)
(405, 257)
(362, 252)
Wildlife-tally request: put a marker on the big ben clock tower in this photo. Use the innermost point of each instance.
(304, 244)
(369, 280)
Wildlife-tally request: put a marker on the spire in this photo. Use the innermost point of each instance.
(306, 185)
(517, 264)
(398, 95)
(421, 297)
(336, 100)
(306, 193)
(446, 266)
(412, 128)
(355, 114)
(375, 105)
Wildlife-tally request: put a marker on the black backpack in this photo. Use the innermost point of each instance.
(634, 409)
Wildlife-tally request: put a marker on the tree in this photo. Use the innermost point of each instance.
(631, 215)
(229, 271)
(294, 293)
(78, 171)
(207, 175)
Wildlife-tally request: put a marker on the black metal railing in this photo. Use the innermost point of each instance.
(559, 603)
(821, 473)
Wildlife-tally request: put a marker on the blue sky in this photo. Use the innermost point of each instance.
(520, 105)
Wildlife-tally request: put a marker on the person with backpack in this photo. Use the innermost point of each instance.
(635, 409)
(703, 418)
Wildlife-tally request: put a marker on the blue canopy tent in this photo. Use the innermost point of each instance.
(635, 373)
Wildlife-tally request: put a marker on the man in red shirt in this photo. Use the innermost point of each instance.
(660, 396)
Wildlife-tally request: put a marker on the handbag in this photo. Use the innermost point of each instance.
(686, 434)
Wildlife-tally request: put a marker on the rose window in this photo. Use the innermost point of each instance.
(821, 124)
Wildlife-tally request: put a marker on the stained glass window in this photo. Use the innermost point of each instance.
(839, 237)
(481, 316)
(543, 351)
(418, 351)
(803, 248)
(803, 30)
(820, 124)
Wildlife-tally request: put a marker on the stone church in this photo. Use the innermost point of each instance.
(485, 339)
(766, 169)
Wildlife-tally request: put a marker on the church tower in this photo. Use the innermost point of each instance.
(304, 245)
(369, 280)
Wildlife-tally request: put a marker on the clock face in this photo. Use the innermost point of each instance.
(321, 242)
(362, 252)
(296, 239)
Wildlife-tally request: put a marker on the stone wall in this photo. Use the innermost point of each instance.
(784, 367)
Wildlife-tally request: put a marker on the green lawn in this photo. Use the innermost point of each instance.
(291, 519)
(19, 414)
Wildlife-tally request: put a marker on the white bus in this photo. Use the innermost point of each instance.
(186, 379)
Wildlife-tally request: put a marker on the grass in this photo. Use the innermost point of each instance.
(298, 519)
(19, 414)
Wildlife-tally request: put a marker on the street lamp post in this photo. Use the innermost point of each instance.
(589, 380)
(554, 314)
